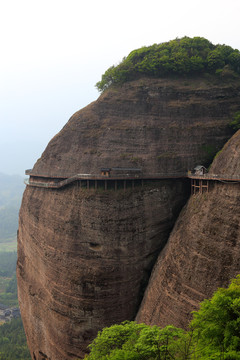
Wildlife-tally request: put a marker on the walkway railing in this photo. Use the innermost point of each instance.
(157, 176)
(214, 177)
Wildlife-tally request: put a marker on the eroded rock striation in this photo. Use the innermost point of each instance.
(85, 255)
(159, 125)
(202, 253)
(84, 258)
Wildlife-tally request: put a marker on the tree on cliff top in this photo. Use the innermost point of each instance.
(180, 56)
(214, 334)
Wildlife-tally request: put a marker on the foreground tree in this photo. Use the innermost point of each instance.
(214, 333)
(132, 341)
(216, 325)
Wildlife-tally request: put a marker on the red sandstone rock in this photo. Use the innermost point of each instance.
(202, 253)
(84, 257)
(227, 162)
(158, 125)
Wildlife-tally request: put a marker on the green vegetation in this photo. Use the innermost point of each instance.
(9, 294)
(180, 56)
(217, 324)
(213, 334)
(8, 282)
(235, 123)
(209, 152)
(13, 345)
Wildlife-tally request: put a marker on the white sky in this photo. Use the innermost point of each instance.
(54, 51)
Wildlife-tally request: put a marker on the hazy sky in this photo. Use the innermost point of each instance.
(54, 51)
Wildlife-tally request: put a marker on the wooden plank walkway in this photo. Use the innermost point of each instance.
(197, 181)
(214, 177)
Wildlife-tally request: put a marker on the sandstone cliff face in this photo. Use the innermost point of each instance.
(159, 125)
(202, 253)
(227, 162)
(84, 256)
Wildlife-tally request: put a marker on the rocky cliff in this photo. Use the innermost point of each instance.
(227, 162)
(202, 253)
(159, 125)
(85, 255)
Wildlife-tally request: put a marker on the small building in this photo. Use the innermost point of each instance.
(105, 172)
(200, 170)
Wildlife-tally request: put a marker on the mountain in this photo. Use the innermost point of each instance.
(103, 199)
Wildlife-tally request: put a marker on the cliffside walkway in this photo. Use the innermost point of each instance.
(96, 181)
(199, 183)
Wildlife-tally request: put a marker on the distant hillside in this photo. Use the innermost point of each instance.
(11, 189)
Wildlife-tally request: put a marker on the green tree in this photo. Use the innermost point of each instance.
(180, 56)
(217, 324)
(216, 60)
(214, 333)
(13, 343)
(132, 341)
(235, 123)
